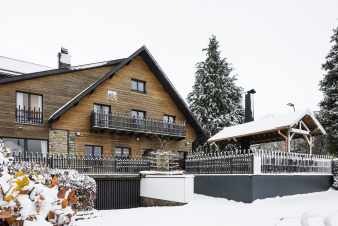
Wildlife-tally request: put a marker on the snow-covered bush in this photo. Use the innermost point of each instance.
(84, 186)
(30, 192)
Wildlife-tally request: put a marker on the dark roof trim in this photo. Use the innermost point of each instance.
(155, 68)
(58, 71)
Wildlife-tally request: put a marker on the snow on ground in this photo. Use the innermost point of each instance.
(299, 210)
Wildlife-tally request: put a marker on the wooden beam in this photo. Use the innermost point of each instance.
(299, 131)
(289, 142)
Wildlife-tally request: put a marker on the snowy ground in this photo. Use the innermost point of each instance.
(314, 209)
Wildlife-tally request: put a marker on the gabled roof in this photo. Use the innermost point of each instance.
(28, 76)
(14, 67)
(155, 68)
(268, 125)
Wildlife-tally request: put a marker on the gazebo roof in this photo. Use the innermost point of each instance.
(269, 128)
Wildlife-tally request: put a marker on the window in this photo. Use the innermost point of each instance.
(112, 95)
(102, 109)
(21, 146)
(138, 85)
(102, 115)
(93, 151)
(137, 114)
(28, 108)
(169, 119)
(122, 152)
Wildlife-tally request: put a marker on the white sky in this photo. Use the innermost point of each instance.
(276, 47)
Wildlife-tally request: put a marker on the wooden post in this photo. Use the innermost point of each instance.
(289, 141)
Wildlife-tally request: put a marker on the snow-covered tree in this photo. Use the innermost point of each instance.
(215, 99)
(329, 105)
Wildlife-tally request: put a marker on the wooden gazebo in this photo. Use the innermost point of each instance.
(273, 128)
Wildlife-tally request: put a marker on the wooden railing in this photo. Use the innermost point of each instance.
(28, 116)
(125, 122)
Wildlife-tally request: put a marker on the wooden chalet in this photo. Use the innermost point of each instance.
(123, 108)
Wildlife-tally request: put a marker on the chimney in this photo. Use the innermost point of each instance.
(63, 58)
(248, 116)
(248, 109)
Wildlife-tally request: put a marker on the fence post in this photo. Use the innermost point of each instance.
(256, 158)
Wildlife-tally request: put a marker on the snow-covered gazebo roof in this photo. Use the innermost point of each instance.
(272, 128)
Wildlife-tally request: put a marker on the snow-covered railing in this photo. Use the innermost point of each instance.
(258, 162)
(277, 162)
(87, 165)
(234, 162)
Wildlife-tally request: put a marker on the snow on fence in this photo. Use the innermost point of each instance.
(257, 162)
(86, 165)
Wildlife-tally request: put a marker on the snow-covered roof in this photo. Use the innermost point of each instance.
(269, 123)
(12, 66)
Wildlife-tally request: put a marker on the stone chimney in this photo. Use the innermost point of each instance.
(64, 58)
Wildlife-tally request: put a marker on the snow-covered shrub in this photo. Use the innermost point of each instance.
(30, 192)
(84, 186)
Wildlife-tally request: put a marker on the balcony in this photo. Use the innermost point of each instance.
(120, 122)
(28, 116)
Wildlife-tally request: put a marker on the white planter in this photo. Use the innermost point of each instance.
(174, 188)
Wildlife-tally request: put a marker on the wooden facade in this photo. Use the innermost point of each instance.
(72, 131)
(155, 102)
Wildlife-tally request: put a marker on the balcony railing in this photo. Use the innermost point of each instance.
(28, 116)
(127, 123)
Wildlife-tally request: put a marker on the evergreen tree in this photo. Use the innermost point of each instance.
(329, 105)
(215, 99)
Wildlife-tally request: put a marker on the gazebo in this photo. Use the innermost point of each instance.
(270, 128)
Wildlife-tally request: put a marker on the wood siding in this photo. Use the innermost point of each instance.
(56, 91)
(156, 102)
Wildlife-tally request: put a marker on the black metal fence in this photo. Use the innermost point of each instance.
(86, 165)
(283, 162)
(28, 116)
(257, 162)
(122, 121)
(240, 162)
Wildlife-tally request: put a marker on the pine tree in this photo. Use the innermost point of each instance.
(329, 105)
(215, 99)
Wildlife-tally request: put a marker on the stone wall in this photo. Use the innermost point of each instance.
(71, 143)
(58, 141)
(148, 202)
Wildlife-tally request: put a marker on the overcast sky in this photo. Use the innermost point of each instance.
(276, 47)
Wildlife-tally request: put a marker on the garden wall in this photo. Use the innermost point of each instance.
(247, 188)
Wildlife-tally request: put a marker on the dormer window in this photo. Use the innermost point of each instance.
(138, 86)
(28, 108)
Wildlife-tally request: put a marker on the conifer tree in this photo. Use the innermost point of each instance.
(215, 99)
(329, 104)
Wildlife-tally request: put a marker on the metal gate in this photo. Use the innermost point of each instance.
(118, 192)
